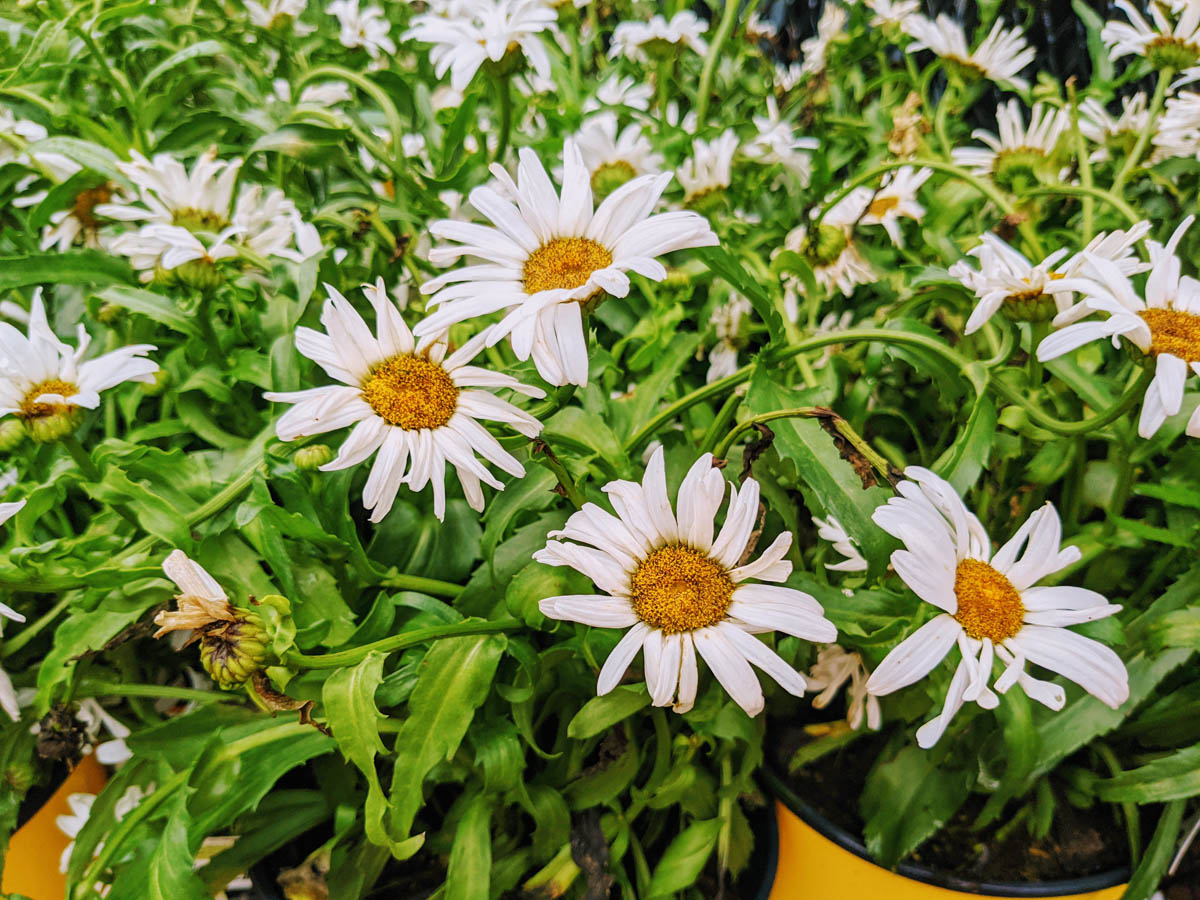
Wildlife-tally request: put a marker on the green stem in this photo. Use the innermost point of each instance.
(1087, 193)
(728, 20)
(1143, 139)
(504, 86)
(378, 94)
(1058, 426)
(661, 81)
(30, 631)
(82, 458)
(90, 688)
(1129, 810)
(399, 642)
(805, 412)
(1085, 166)
(422, 585)
(119, 81)
(554, 464)
(720, 422)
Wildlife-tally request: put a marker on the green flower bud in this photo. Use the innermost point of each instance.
(12, 433)
(611, 176)
(109, 314)
(232, 652)
(1169, 52)
(824, 244)
(312, 457)
(162, 378)
(1016, 169)
(660, 49)
(200, 274)
(55, 425)
(510, 63)
(707, 202)
(1029, 306)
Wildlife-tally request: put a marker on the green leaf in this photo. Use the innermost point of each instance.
(349, 701)
(684, 859)
(1172, 777)
(454, 679)
(77, 267)
(967, 457)
(147, 303)
(723, 263)
(1158, 855)
(164, 873)
(468, 874)
(191, 51)
(582, 431)
(601, 713)
(88, 154)
(906, 800)
(832, 480)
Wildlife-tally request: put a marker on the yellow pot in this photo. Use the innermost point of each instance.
(31, 865)
(812, 866)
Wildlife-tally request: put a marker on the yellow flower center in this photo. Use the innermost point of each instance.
(1173, 331)
(564, 263)
(31, 409)
(411, 393)
(677, 589)
(880, 206)
(988, 605)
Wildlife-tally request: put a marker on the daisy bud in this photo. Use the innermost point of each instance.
(54, 426)
(312, 457)
(824, 245)
(161, 379)
(1031, 306)
(200, 274)
(611, 176)
(108, 314)
(12, 432)
(231, 653)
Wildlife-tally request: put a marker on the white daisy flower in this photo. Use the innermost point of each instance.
(759, 29)
(776, 142)
(1100, 127)
(727, 321)
(832, 530)
(44, 382)
(77, 222)
(830, 251)
(1000, 57)
(892, 12)
(1177, 132)
(548, 255)
(1006, 280)
(499, 32)
(1017, 150)
(80, 806)
(23, 131)
(787, 77)
(8, 696)
(410, 404)
(710, 168)
(620, 90)
(613, 157)
(367, 28)
(990, 606)
(835, 667)
(643, 42)
(1165, 325)
(815, 49)
(278, 14)
(324, 94)
(896, 197)
(678, 590)
(1166, 43)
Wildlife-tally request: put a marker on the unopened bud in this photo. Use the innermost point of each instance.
(312, 457)
(824, 244)
(12, 433)
(46, 429)
(232, 652)
(154, 388)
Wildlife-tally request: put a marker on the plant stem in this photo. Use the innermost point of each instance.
(554, 464)
(728, 20)
(422, 585)
(1135, 155)
(1058, 426)
(1129, 810)
(662, 79)
(82, 458)
(720, 422)
(398, 642)
(378, 94)
(504, 86)
(1085, 165)
(89, 688)
(1087, 192)
(805, 412)
(30, 631)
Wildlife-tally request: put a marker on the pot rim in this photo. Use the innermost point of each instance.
(783, 792)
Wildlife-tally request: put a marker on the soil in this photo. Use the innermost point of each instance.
(1081, 842)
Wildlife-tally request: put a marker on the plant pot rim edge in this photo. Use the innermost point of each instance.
(781, 791)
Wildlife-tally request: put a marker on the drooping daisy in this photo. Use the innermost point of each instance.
(504, 33)
(990, 606)
(787, 77)
(1165, 325)
(678, 590)
(644, 42)
(44, 382)
(727, 319)
(815, 50)
(776, 143)
(1017, 152)
(1000, 57)
(710, 168)
(620, 90)
(835, 668)
(1007, 281)
(1177, 132)
(366, 28)
(895, 198)
(411, 405)
(614, 157)
(1165, 44)
(832, 530)
(1114, 135)
(96, 720)
(548, 255)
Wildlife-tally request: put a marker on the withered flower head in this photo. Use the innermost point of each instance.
(200, 602)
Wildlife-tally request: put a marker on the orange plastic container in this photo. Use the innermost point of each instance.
(31, 866)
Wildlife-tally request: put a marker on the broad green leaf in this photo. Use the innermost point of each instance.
(967, 457)
(90, 155)
(166, 871)
(582, 431)
(147, 303)
(604, 783)
(535, 583)
(601, 713)
(723, 263)
(832, 481)
(191, 51)
(454, 679)
(684, 859)
(1172, 777)
(76, 267)
(468, 873)
(906, 800)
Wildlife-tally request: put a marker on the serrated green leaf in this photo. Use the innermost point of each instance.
(76, 267)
